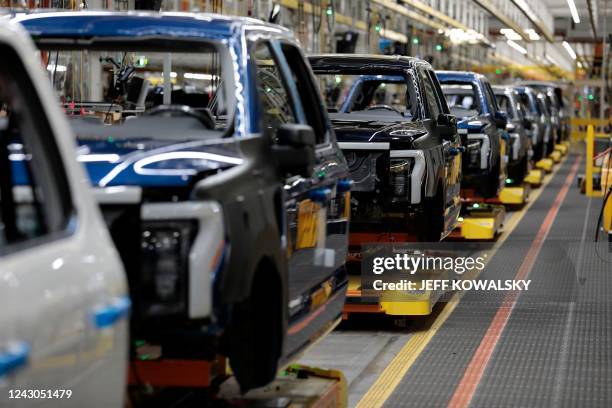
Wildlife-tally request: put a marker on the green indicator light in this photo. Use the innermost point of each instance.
(509, 181)
(268, 89)
(476, 205)
(338, 79)
(110, 139)
(321, 174)
(439, 47)
(591, 97)
(329, 11)
(377, 27)
(498, 71)
(415, 40)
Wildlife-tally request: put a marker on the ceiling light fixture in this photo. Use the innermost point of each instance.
(517, 47)
(510, 34)
(533, 35)
(569, 49)
(552, 60)
(574, 11)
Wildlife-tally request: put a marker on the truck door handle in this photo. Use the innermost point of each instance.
(14, 356)
(320, 195)
(108, 315)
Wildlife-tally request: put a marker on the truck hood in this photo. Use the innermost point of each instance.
(400, 134)
(153, 163)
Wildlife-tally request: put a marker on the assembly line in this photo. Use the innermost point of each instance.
(223, 209)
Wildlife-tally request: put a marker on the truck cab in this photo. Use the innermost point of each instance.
(518, 126)
(472, 101)
(401, 143)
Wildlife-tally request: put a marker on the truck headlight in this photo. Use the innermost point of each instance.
(165, 249)
(514, 145)
(473, 153)
(399, 176)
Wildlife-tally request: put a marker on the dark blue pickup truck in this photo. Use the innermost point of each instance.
(472, 101)
(218, 174)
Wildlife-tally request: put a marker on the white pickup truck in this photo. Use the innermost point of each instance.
(63, 291)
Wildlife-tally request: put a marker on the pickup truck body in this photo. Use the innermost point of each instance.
(405, 162)
(519, 143)
(228, 208)
(473, 103)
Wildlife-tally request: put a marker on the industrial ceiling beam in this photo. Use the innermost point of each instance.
(507, 21)
(424, 8)
(393, 6)
(535, 20)
(591, 18)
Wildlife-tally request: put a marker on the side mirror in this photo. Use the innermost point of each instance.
(294, 149)
(447, 125)
(501, 120)
(274, 16)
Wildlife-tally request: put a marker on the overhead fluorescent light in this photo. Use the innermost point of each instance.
(202, 77)
(60, 68)
(569, 49)
(552, 60)
(574, 11)
(533, 35)
(517, 47)
(510, 34)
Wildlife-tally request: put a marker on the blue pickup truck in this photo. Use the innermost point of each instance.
(471, 99)
(218, 174)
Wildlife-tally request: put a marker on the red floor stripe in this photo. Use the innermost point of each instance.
(474, 371)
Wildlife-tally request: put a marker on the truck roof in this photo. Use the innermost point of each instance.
(363, 62)
(459, 76)
(88, 24)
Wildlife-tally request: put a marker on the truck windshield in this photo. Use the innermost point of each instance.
(379, 97)
(113, 85)
(505, 104)
(462, 99)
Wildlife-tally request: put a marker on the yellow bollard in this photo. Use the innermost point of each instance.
(590, 147)
(606, 184)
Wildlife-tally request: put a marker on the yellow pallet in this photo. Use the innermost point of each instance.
(514, 195)
(561, 148)
(535, 177)
(545, 164)
(482, 225)
(555, 156)
(408, 304)
(392, 303)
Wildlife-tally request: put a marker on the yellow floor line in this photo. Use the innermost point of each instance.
(398, 367)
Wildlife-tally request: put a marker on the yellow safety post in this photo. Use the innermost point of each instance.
(606, 184)
(590, 147)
